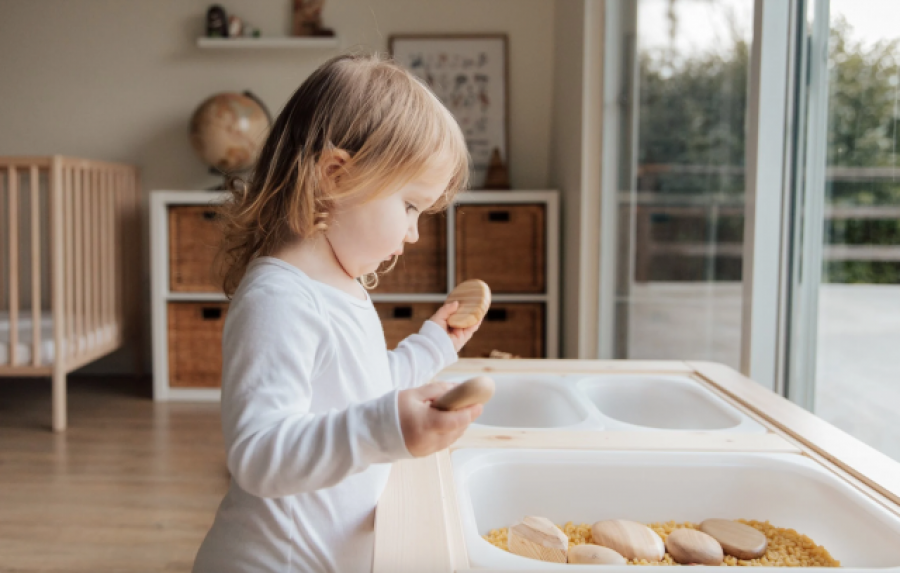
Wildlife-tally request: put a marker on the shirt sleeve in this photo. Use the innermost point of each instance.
(275, 446)
(419, 357)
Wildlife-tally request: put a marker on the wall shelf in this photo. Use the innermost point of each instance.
(286, 42)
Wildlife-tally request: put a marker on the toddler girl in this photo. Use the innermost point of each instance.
(314, 407)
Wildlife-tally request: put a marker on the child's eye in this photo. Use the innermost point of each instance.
(410, 207)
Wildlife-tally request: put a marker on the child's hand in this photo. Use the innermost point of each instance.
(425, 429)
(459, 336)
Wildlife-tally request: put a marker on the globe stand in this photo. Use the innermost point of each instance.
(223, 186)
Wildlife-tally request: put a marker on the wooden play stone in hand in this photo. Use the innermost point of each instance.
(595, 555)
(630, 539)
(688, 546)
(737, 539)
(477, 390)
(474, 297)
(538, 538)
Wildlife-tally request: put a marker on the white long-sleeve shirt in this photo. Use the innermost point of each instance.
(310, 421)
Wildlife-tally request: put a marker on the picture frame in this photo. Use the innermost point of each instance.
(469, 73)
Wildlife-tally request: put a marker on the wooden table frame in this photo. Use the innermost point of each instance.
(417, 523)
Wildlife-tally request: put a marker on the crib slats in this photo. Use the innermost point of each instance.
(96, 198)
(76, 239)
(35, 269)
(4, 282)
(101, 249)
(88, 252)
(69, 234)
(107, 241)
(60, 188)
(85, 254)
(13, 205)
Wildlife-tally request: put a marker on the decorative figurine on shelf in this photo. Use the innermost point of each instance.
(235, 27)
(216, 22)
(308, 18)
(497, 176)
(502, 355)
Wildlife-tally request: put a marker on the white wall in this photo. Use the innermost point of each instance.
(118, 80)
(566, 160)
(575, 167)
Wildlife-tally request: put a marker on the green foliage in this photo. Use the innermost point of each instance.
(692, 114)
(862, 101)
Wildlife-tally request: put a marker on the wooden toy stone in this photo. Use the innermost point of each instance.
(477, 390)
(737, 539)
(689, 546)
(474, 297)
(538, 538)
(590, 554)
(630, 539)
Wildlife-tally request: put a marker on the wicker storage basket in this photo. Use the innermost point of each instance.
(517, 328)
(194, 238)
(402, 319)
(195, 344)
(502, 245)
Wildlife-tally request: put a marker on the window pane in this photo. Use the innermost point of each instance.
(858, 354)
(681, 208)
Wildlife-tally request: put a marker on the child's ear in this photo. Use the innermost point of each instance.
(331, 166)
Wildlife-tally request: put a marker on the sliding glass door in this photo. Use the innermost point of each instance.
(756, 193)
(680, 195)
(846, 348)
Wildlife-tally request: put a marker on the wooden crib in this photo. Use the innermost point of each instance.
(69, 266)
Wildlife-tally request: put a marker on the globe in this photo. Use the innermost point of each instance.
(228, 131)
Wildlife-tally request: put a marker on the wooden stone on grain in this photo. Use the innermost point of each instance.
(630, 539)
(538, 538)
(591, 554)
(474, 297)
(737, 539)
(689, 546)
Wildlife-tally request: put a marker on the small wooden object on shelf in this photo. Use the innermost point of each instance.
(538, 538)
(502, 355)
(497, 176)
(308, 18)
(216, 22)
(474, 298)
(477, 390)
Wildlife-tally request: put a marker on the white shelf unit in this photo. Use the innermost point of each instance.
(287, 42)
(160, 201)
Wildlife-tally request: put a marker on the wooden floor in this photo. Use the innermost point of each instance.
(131, 486)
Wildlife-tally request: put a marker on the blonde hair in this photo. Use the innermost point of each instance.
(384, 117)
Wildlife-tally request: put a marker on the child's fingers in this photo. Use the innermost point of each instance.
(457, 420)
(446, 310)
(434, 390)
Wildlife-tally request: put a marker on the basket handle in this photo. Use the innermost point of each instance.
(211, 313)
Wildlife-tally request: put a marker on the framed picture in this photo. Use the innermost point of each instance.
(469, 74)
